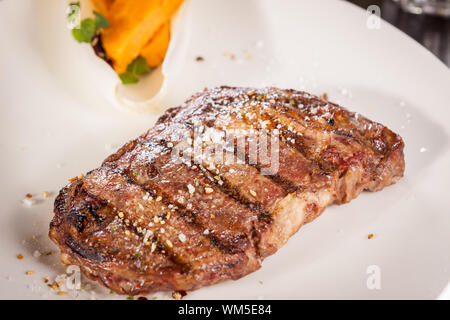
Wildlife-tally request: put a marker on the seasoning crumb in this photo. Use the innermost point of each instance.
(29, 273)
(45, 194)
(29, 195)
(209, 190)
(324, 96)
(178, 295)
(253, 193)
(159, 198)
(20, 256)
(370, 236)
(54, 285)
(199, 59)
(46, 280)
(169, 243)
(61, 293)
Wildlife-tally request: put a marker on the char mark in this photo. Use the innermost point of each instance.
(87, 253)
(233, 192)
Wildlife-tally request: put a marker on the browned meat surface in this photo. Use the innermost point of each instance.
(146, 221)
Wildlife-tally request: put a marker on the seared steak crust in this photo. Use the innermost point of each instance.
(144, 222)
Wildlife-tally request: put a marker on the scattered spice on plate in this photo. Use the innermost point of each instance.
(54, 285)
(370, 236)
(29, 195)
(20, 256)
(61, 293)
(199, 59)
(29, 272)
(178, 295)
(45, 194)
(324, 96)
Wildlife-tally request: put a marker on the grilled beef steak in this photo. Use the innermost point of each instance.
(148, 220)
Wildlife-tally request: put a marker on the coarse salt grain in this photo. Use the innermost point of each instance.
(191, 188)
(182, 237)
(28, 202)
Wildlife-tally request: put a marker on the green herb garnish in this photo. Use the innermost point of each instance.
(136, 68)
(130, 298)
(135, 173)
(100, 21)
(85, 32)
(88, 27)
(128, 78)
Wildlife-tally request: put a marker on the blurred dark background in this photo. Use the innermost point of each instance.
(431, 31)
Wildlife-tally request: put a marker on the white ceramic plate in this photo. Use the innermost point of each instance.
(55, 124)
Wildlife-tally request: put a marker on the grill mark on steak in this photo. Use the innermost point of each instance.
(185, 265)
(290, 160)
(230, 244)
(88, 253)
(321, 146)
(330, 157)
(232, 192)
